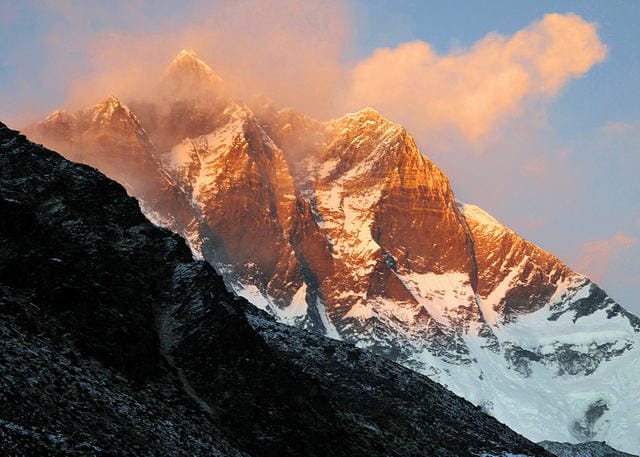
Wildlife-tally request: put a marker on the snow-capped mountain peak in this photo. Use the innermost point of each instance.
(188, 76)
(111, 108)
(187, 53)
(364, 114)
(57, 116)
(363, 121)
(111, 100)
(477, 214)
(187, 60)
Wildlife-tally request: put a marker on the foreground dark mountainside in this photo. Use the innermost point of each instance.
(115, 342)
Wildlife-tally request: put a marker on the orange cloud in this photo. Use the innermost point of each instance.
(473, 90)
(288, 50)
(618, 128)
(596, 255)
(536, 167)
(292, 51)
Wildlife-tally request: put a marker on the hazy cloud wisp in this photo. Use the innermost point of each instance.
(597, 255)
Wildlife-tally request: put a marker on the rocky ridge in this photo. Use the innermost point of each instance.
(588, 449)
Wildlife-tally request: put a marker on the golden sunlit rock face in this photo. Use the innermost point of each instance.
(331, 212)
(331, 226)
(345, 228)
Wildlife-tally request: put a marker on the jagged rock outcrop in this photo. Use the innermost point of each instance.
(109, 136)
(589, 449)
(345, 228)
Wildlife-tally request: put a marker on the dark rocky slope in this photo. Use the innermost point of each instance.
(115, 342)
(588, 449)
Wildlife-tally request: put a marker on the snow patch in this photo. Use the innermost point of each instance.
(489, 305)
(440, 294)
(477, 214)
(253, 296)
(296, 310)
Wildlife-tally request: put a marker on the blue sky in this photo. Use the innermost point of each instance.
(560, 168)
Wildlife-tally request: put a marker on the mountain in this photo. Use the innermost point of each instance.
(345, 228)
(116, 342)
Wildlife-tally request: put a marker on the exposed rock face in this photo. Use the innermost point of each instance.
(345, 228)
(108, 134)
(110, 137)
(116, 342)
(589, 449)
(498, 252)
